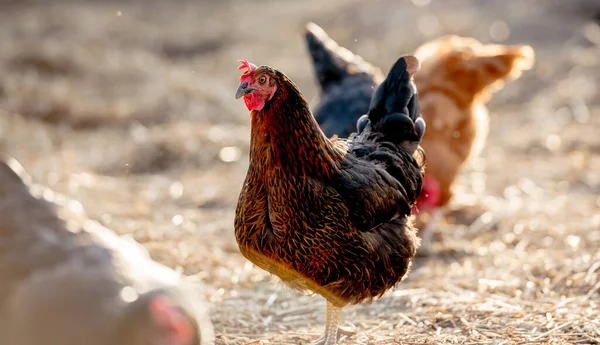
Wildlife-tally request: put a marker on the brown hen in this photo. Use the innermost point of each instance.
(331, 216)
(458, 78)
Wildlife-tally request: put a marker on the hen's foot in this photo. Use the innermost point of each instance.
(340, 333)
(332, 330)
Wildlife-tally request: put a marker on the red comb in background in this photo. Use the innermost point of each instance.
(250, 67)
(169, 317)
(430, 196)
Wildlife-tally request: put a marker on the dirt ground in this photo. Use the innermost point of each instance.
(128, 107)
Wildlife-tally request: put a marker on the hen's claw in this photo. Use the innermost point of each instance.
(332, 331)
(341, 333)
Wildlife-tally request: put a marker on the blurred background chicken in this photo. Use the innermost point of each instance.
(76, 282)
(458, 77)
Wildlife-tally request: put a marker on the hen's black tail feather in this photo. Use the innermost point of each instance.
(332, 62)
(394, 112)
(328, 67)
(390, 133)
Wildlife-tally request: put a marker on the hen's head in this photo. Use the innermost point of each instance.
(257, 85)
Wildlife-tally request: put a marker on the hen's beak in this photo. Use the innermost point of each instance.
(243, 90)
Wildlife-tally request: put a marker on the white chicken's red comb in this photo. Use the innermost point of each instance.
(170, 319)
(250, 67)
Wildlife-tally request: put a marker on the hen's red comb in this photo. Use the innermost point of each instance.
(250, 67)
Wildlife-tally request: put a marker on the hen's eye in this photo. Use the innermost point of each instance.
(262, 80)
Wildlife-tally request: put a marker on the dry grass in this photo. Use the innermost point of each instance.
(128, 107)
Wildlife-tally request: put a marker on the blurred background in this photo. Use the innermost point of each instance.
(128, 107)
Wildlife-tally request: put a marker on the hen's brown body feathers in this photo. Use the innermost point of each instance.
(329, 216)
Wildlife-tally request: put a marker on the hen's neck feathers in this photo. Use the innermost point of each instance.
(285, 134)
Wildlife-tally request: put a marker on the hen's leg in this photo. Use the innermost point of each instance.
(332, 330)
(426, 233)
